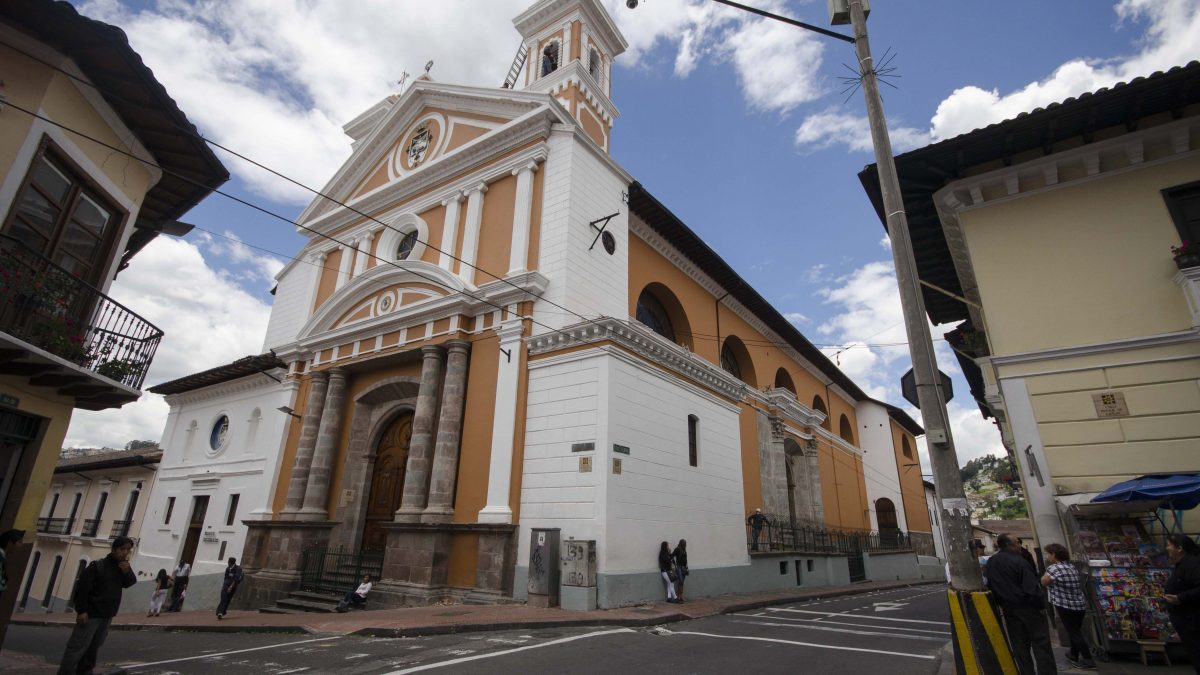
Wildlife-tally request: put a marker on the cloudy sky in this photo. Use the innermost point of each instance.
(738, 124)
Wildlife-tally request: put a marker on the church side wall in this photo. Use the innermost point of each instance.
(879, 462)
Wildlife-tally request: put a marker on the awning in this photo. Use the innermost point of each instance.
(1180, 491)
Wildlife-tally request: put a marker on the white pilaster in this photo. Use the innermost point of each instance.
(518, 256)
(565, 57)
(504, 423)
(450, 231)
(362, 252)
(466, 269)
(1031, 460)
(348, 253)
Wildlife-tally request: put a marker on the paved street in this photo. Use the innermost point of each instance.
(899, 631)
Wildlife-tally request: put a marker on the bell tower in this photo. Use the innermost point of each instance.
(568, 48)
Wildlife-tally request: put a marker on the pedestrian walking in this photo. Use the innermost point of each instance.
(1065, 584)
(666, 568)
(97, 599)
(681, 567)
(1026, 555)
(162, 586)
(233, 577)
(1182, 593)
(756, 521)
(1017, 590)
(179, 584)
(358, 596)
(9, 541)
(982, 556)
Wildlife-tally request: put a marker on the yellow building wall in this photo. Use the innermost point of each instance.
(1080, 265)
(57, 410)
(912, 489)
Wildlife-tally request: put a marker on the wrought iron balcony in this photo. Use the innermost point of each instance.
(55, 525)
(120, 528)
(90, 526)
(44, 306)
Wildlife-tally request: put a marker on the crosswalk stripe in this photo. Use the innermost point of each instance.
(803, 644)
(857, 616)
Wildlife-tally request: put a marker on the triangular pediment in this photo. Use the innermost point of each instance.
(427, 126)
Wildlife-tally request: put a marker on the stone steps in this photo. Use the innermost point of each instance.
(301, 602)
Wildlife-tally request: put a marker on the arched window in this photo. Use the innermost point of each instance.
(594, 65)
(729, 361)
(735, 360)
(784, 381)
(652, 314)
(819, 406)
(405, 248)
(906, 448)
(549, 59)
(846, 430)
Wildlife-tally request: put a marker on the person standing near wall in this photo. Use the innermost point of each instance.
(681, 567)
(1017, 589)
(666, 567)
(162, 584)
(233, 577)
(179, 584)
(97, 599)
(756, 522)
(1182, 593)
(1066, 594)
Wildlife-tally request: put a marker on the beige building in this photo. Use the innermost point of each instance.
(91, 501)
(73, 218)
(1049, 238)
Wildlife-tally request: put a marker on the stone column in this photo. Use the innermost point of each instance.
(319, 381)
(420, 445)
(517, 258)
(450, 231)
(449, 435)
(470, 245)
(500, 467)
(316, 494)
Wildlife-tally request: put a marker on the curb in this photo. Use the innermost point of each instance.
(450, 629)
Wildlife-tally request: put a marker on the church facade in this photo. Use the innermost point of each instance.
(496, 329)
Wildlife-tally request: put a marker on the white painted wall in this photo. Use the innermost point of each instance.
(879, 460)
(293, 302)
(935, 519)
(247, 465)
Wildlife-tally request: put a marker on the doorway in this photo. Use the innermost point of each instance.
(387, 481)
(194, 530)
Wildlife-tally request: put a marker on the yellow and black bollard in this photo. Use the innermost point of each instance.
(980, 647)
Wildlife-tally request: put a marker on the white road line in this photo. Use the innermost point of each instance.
(857, 616)
(236, 651)
(804, 644)
(831, 629)
(465, 659)
(845, 623)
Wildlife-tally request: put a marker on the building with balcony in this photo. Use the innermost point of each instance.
(91, 501)
(75, 95)
(1048, 239)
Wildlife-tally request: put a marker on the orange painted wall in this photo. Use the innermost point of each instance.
(478, 413)
(329, 272)
(289, 448)
(495, 232)
(751, 469)
(464, 553)
(912, 489)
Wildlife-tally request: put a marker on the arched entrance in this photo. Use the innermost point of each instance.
(885, 513)
(387, 481)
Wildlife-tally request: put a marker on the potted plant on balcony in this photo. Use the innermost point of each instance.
(1186, 254)
(120, 370)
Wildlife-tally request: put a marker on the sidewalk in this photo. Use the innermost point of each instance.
(443, 619)
(1118, 666)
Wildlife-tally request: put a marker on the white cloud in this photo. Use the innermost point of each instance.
(825, 129)
(796, 318)
(1172, 33)
(207, 317)
(230, 249)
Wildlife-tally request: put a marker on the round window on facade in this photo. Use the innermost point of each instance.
(219, 431)
(406, 246)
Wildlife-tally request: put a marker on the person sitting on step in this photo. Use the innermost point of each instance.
(357, 597)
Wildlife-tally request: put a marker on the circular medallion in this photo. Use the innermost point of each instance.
(609, 241)
(386, 303)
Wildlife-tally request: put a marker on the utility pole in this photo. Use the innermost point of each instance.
(956, 516)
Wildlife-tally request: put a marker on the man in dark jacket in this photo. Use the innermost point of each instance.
(1017, 589)
(233, 577)
(97, 599)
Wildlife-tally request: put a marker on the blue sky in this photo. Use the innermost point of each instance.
(739, 125)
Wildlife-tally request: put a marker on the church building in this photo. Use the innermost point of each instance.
(494, 329)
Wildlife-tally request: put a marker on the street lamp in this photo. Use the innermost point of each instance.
(956, 516)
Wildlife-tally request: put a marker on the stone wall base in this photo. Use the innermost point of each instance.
(265, 588)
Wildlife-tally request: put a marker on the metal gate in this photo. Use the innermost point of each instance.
(858, 568)
(337, 571)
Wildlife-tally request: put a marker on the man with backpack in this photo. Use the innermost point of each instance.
(97, 599)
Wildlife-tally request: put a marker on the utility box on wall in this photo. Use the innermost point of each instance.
(543, 570)
(578, 564)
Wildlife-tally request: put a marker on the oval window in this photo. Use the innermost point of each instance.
(220, 429)
(406, 246)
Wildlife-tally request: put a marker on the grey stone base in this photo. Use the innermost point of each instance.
(262, 589)
(578, 598)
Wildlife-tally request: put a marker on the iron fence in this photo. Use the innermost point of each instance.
(120, 528)
(55, 525)
(90, 527)
(324, 570)
(778, 534)
(52, 309)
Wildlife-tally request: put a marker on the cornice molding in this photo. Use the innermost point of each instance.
(646, 344)
(1148, 342)
(783, 403)
(241, 385)
(575, 73)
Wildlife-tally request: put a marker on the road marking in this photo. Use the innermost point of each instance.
(805, 644)
(888, 606)
(236, 651)
(465, 659)
(844, 630)
(857, 616)
(823, 621)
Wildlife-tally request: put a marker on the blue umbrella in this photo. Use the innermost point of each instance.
(1180, 491)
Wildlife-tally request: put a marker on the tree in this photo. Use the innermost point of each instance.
(141, 445)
